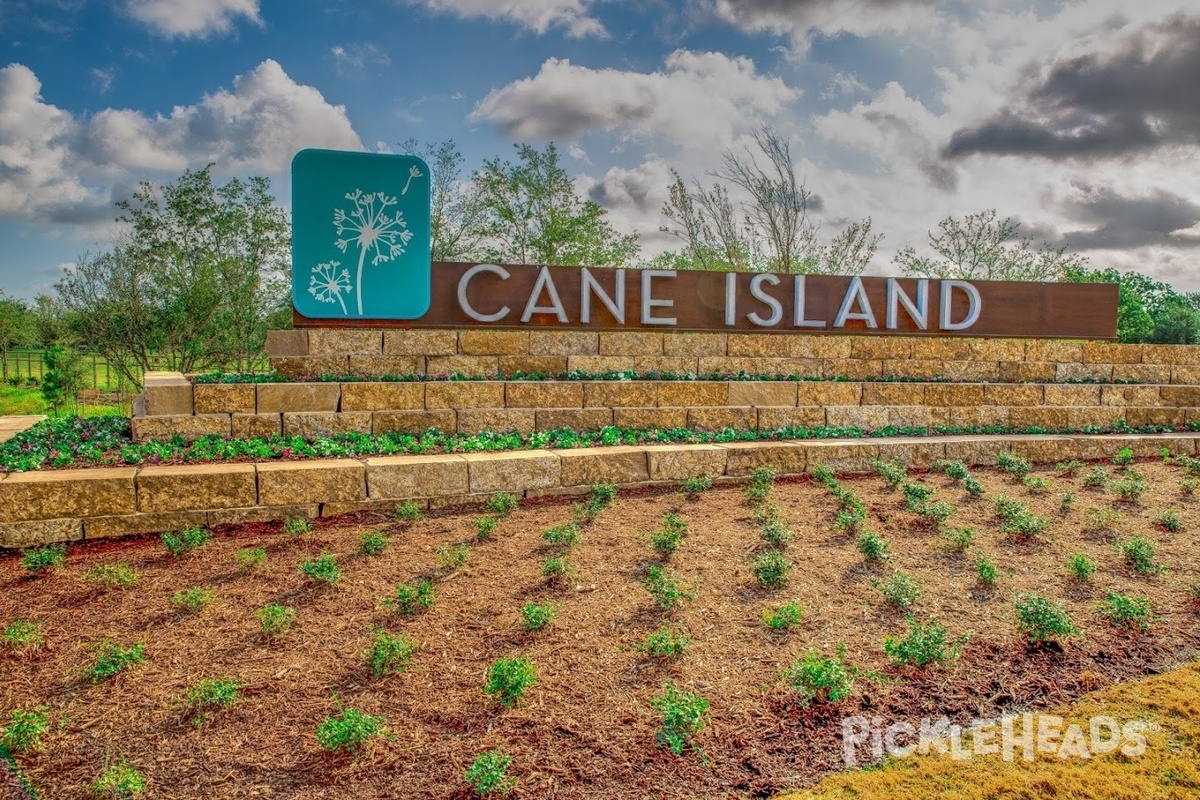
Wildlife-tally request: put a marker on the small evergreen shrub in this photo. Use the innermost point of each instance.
(785, 617)
(180, 543)
(1041, 620)
(508, 679)
(488, 773)
(683, 717)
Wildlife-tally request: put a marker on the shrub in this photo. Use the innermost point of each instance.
(776, 533)
(557, 569)
(900, 590)
(1131, 486)
(957, 470)
(915, 494)
(665, 643)
(821, 679)
(295, 526)
(26, 730)
(488, 773)
(323, 569)
(250, 559)
(565, 535)
(413, 598)
(1123, 457)
(390, 654)
(508, 678)
(1066, 502)
(1080, 567)
(936, 512)
(958, 539)
(823, 476)
(21, 634)
(892, 472)
(211, 693)
(349, 730)
(180, 543)
(666, 590)
(485, 527)
(1188, 486)
(785, 617)
(452, 557)
(665, 541)
(110, 659)
(771, 569)
(872, 547)
(973, 487)
(534, 617)
(407, 513)
(1065, 469)
(41, 559)
(762, 480)
(192, 600)
(1171, 521)
(1014, 465)
(1139, 553)
(502, 504)
(372, 543)
(1100, 520)
(1096, 478)
(599, 498)
(113, 576)
(276, 619)
(119, 781)
(923, 644)
(697, 485)
(1018, 521)
(986, 571)
(1041, 620)
(1036, 484)
(683, 717)
(1127, 612)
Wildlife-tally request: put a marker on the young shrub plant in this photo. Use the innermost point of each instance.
(323, 569)
(372, 543)
(113, 576)
(599, 498)
(488, 774)
(1138, 552)
(783, 618)
(683, 716)
(536, 616)
(900, 590)
(111, 659)
(411, 599)
(119, 780)
(192, 600)
(771, 569)
(1080, 567)
(873, 548)
(1131, 613)
(694, 487)
(26, 730)
(922, 645)
(665, 589)
(209, 695)
(758, 488)
(39, 560)
(820, 679)
(251, 559)
(390, 654)
(665, 643)
(508, 679)
(350, 730)
(276, 619)
(181, 543)
(407, 513)
(986, 571)
(24, 636)
(1042, 621)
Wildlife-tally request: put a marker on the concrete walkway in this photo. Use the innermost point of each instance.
(11, 426)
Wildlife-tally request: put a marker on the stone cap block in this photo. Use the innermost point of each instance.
(284, 483)
(68, 493)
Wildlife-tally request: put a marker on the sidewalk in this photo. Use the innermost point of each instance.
(11, 426)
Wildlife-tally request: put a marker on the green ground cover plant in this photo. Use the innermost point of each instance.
(250, 559)
(110, 659)
(682, 717)
(1126, 612)
(411, 599)
(349, 730)
(390, 653)
(26, 729)
(119, 780)
(23, 635)
(276, 619)
(921, 645)
(180, 543)
(665, 589)
(822, 679)
(192, 600)
(665, 643)
(372, 543)
(50, 557)
(1041, 620)
(535, 616)
(113, 576)
(785, 617)
(323, 569)
(488, 773)
(508, 679)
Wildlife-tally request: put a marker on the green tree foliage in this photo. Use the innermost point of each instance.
(62, 376)
(1147, 310)
(533, 215)
(984, 247)
(769, 229)
(16, 328)
(456, 209)
(199, 278)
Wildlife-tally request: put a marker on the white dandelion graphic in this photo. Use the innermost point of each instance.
(326, 283)
(372, 228)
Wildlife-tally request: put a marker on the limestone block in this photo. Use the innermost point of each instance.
(323, 424)
(917, 416)
(720, 418)
(405, 477)
(865, 417)
(786, 458)
(599, 365)
(344, 341)
(755, 345)
(695, 345)
(167, 393)
(496, 420)
(224, 398)
(195, 487)
(997, 349)
(770, 419)
(973, 450)
(917, 452)
(486, 342)
(382, 396)
(464, 394)
(690, 394)
(841, 455)
(1119, 395)
(563, 343)
(420, 343)
(190, 428)
(925, 370)
(1098, 416)
(589, 466)
(287, 343)
(443, 420)
(543, 394)
(238, 516)
(1075, 372)
(1180, 395)
(468, 366)
(978, 416)
(1036, 371)
(67, 493)
(310, 366)
(732, 365)
(941, 349)
(532, 365)
(375, 366)
(577, 419)
(1013, 394)
(650, 418)
(247, 426)
(36, 533)
(513, 471)
(811, 393)
(284, 483)
(761, 393)
(460, 501)
(1185, 375)
(954, 395)
(632, 343)
(1109, 353)
(881, 347)
(1159, 416)
(881, 393)
(856, 369)
(279, 397)
(1059, 394)
(1039, 449)
(132, 524)
(677, 462)
(971, 370)
(822, 346)
(1056, 352)
(618, 394)
(1047, 418)
(674, 365)
(1171, 354)
(1142, 373)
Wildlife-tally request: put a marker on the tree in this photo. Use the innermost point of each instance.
(16, 329)
(456, 210)
(62, 376)
(1147, 310)
(534, 216)
(982, 247)
(195, 283)
(770, 230)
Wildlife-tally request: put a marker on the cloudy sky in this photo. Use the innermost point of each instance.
(1081, 119)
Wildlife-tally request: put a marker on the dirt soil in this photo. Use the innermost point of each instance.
(586, 729)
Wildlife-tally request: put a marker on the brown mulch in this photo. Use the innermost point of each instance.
(586, 729)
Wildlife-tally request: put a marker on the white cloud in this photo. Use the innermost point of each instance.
(800, 18)
(103, 78)
(538, 16)
(56, 167)
(698, 100)
(199, 18)
(352, 57)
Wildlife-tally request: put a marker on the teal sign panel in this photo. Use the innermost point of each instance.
(360, 235)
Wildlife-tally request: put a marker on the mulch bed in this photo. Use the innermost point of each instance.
(586, 729)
